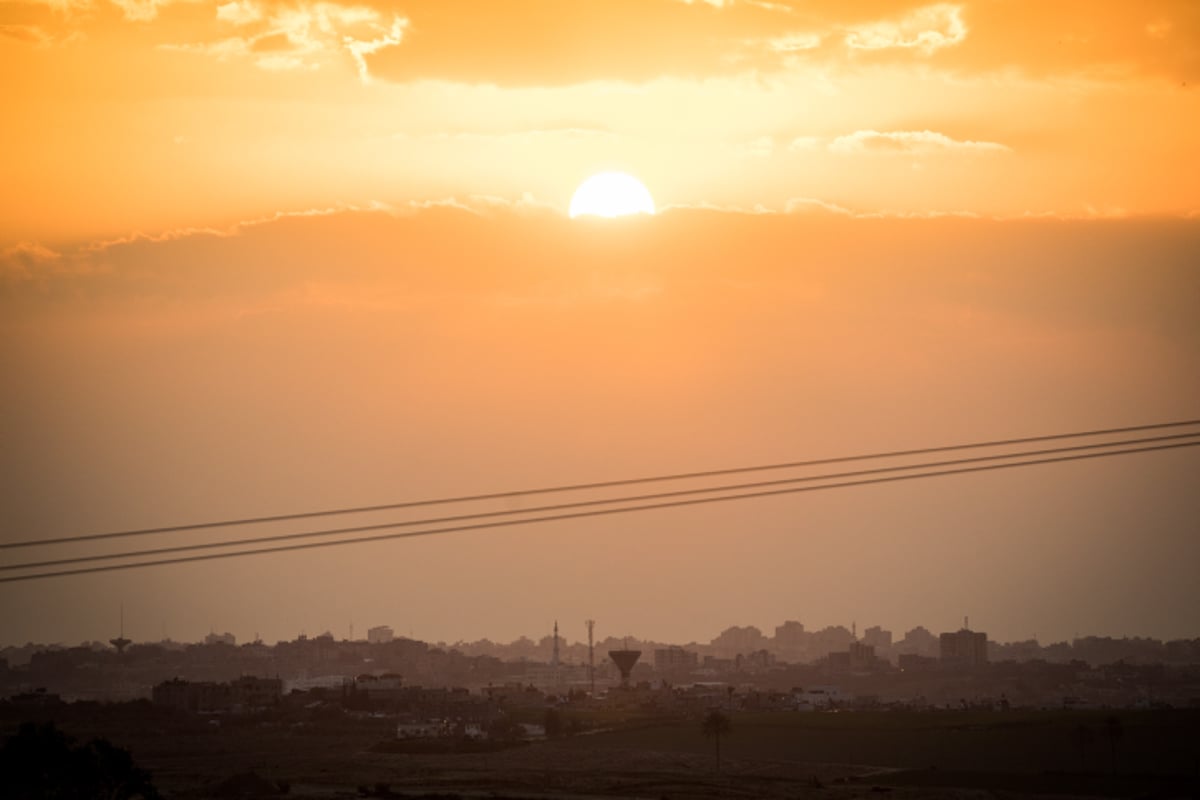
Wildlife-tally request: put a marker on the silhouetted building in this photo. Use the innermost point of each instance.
(389, 686)
(838, 662)
(735, 640)
(914, 662)
(964, 647)
(220, 638)
(247, 692)
(789, 634)
(381, 634)
(758, 661)
(675, 660)
(191, 695)
(877, 637)
(918, 641)
(862, 656)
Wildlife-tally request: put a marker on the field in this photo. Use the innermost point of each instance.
(949, 754)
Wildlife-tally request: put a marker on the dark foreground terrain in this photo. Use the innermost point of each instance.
(821, 755)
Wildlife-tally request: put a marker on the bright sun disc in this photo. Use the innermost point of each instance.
(611, 194)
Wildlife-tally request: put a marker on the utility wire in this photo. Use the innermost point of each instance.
(594, 485)
(593, 513)
(242, 541)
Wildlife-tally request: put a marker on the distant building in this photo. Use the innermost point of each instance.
(862, 656)
(388, 686)
(857, 658)
(380, 634)
(190, 696)
(247, 692)
(838, 661)
(914, 662)
(918, 641)
(877, 637)
(734, 640)
(716, 664)
(433, 729)
(789, 634)
(758, 661)
(675, 660)
(818, 697)
(964, 647)
(221, 638)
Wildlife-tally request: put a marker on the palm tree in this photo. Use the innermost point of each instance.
(1115, 732)
(1083, 738)
(716, 724)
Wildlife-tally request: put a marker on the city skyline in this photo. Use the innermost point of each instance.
(353, 632)
(263, 257)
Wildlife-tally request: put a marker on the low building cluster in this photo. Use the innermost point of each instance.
(247, 693)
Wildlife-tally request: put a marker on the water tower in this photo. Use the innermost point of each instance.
(625, 659)
(121, 642)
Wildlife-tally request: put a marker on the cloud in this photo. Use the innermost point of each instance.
(361, 48)
(808, 205)
(870, 141)
(760, 147)
(29, 34)
(794, 42)
(549, 43)
(292, 37)
(239, 12)
(222, 49)
(577, 132)
(926, 29)
(526, 43)
(801, 143)
(22, 260)
(1102, 41)
(139, 10)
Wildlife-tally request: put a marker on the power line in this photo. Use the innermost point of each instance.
(242, 541)
(592, 513)
(594, 485)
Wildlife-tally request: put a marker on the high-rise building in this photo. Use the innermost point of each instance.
(877, 637)
(675, 660)
(964, 647)
(380, 634)
(862, 656)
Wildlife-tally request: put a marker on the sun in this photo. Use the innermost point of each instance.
(611, 194)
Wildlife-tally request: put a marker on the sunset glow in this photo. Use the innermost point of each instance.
(266, 256)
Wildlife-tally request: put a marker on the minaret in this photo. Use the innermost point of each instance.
(591, 623)
(554, 658)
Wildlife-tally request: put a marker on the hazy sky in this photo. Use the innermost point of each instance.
(260, 257)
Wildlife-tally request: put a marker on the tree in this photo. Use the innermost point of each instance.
(41, 761)
(1115, 732)
(553, 723)
(505, 729)
(716, 724)
(1083, 738)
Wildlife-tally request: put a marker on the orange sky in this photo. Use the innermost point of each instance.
(145, 115)
(256, 257)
